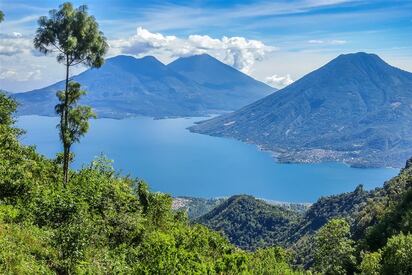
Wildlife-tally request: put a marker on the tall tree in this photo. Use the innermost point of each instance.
(74, 36)
(1, 16)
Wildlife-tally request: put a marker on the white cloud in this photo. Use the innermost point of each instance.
(17, 34)
(314, 41)
(14, 44)
(328, 42)
(142, 42)
(11, 74)
(338, 42)
(279, 81)
(239, 52)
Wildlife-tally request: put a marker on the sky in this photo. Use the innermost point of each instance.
(276, 42)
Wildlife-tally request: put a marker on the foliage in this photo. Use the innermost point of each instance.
(371, 263)
(345, 205)
(373, 217)
(78, 116)
(25, 249)
(397, 219)
(251, 223)
(334, 251)
(272, 260)
(397, 255)
(74, 34)
(381, 202)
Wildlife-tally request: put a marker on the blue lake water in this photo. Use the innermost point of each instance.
(173, 160)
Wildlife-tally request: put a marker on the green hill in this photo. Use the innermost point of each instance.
(250, 223)
(374, 216)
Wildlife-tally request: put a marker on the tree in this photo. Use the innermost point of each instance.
(334, 249)
(74, 35)
(270, 260)
(77, 116)
(1, 16)
(7, 107)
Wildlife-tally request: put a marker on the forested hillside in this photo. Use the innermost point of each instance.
(101, 222)
(250, 223)
(370, 217)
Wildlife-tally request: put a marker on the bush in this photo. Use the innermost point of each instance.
(397, 255)
(371, 263)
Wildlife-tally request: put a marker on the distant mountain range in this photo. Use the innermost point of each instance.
(126, 86)
(356, 109)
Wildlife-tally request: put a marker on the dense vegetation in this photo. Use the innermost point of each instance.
(250, 223)
(358, 231)
(102, 223)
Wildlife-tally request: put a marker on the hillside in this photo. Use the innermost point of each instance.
(102, 223)
(347, 206)
(195, 207)
(125, 86)
(355, 109)
(373, 216)
(250, 223)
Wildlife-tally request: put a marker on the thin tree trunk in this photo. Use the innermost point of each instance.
(63, 127)
(67, 164)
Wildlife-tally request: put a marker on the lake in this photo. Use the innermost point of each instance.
(173, 160)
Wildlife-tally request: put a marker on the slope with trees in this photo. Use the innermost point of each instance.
(251, 223)
(101, 222)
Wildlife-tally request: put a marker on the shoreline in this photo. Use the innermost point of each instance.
(279, 157)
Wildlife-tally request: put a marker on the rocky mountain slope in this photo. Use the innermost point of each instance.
(356, 109)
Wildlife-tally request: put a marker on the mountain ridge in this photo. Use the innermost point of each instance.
(355, 109)
(127, 86)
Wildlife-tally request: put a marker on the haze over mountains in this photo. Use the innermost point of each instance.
(125, 86)
(356, 109)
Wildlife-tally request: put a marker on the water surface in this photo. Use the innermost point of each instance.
(174, 160)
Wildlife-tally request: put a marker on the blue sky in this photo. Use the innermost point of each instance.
(273, 41)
